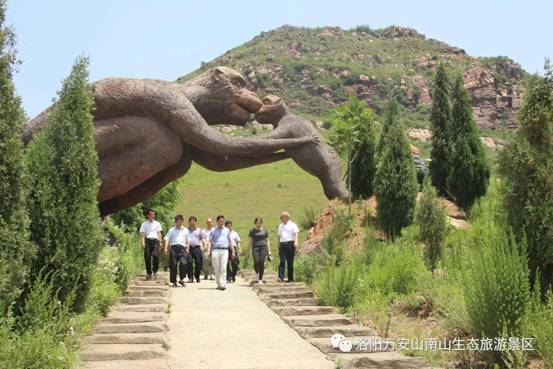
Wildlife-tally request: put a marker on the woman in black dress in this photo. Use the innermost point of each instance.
(259, 242)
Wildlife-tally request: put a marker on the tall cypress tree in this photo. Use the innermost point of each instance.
(469, 172)
(64, 211)
(395, 184)
(526, 163)
(440, 120)
(15, 248)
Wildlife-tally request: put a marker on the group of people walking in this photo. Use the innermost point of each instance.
(214, 249)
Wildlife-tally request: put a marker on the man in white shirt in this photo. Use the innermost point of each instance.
(287, 242)
(178, 240)
(207, 268)
(150, 237)
(233, 265)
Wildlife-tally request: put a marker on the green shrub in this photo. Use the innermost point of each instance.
(375, 307)
(497, 291)
(339, 285)
(309, 218)
(306, 268)
(432, 222)
(397, 268)
(540, 326)
(41, 337)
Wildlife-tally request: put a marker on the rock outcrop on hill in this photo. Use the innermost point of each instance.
(314, 69)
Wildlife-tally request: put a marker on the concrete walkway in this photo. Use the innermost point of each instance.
(233, 329)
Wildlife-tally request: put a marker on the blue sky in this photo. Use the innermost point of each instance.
(135, 38)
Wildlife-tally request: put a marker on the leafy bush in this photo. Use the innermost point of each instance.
(397, 268)
(309, 218)
(540, 325)
(497, 291)
(41, 337)
(432, 222)
(306, 268)
(339, 285)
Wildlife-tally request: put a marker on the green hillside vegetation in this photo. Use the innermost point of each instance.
(315, 69)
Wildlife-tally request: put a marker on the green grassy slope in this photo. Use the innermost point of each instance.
(264, 190)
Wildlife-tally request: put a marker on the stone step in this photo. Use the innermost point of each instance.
(106, 352)
(304, 310)
(142, 300)
(148, 283)
(127, 338)
(122, 364)
(134, 292)
(288, 295)
(134, 317)
(278, 289)
(363, 343)
(327, 320)
(154, 287)
(256, 285)
(141, 308)
(266, 278)
(154, 327)
(310, 301)
(379, 360)
(346, 330)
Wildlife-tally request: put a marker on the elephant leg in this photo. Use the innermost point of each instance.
(224, 163)
(131, 150)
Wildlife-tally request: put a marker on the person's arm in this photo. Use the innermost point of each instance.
(187, 243)
(268, 245)
(296, 234)
(231, 246)
(142, 239)
(250, 242)
(166, 242)
(238, 244)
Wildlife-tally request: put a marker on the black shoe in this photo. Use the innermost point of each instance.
(190, 280)
(148, 277)
(205, 278)
(197, 280)
(223, 288)
(174, 285)
(181, 282)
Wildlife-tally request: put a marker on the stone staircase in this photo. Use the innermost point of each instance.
(133, 335)
(298, 306)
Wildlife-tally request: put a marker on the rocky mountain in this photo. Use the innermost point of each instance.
(315, 69)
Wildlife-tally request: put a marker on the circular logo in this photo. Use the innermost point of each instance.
(345, 345)
(336, 339)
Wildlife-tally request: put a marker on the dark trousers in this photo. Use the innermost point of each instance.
(286, 251)
(233, 265)
(178, 260)
(151, 251)
(195, 262)
(259, 256)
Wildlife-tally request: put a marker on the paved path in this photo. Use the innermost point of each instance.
(233, 329)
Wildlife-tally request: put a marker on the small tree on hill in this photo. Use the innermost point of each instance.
(64, 211)
(440, 121)
(353, 136)
(432, 222)
(469, 171)
(15, 248)
(526, 163)
(395, 183)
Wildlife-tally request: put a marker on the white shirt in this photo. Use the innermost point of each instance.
(235, 237)
(287, 232)
(151, 229)
(177, 236)
(207, 233)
